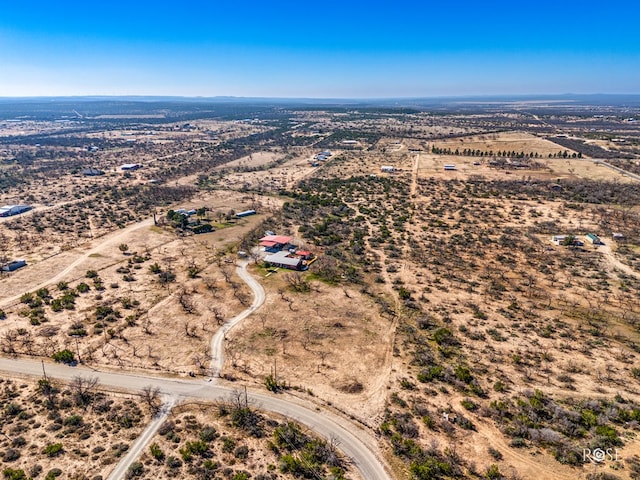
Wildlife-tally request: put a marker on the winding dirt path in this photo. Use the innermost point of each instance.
(613, 262)
(109, 241)
(217, 341)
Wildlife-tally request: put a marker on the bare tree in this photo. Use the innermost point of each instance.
(297, 282)
(217, 314)
(9, 342)
(227, 273)
(151, 396)
(47, 388)
(146, 325)
(83, 390)
(287, 299)
(190, 330)
(186, 302)
(211, 286)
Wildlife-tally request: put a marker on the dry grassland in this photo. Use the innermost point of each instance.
(328, 341)
(509, 141)
(494, 312)
(548, 169)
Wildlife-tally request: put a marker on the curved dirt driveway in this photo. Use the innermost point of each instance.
(217, 341)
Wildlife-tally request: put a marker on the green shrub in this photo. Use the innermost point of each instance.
(208, 434)
(443, 336)
(53, 449)
(156, 452)
(73, 421)
(11, 474)
(241, 452)
(436, 372)
(53, 474)
(468, 404)
(463, 373)
(136, 469)
(173, 462)
(493, 473)
(64, 356)
(499, 386)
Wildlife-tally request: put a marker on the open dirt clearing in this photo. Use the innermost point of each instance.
(504, 141)
(329, 341)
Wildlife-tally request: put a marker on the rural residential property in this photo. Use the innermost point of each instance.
(319, 241)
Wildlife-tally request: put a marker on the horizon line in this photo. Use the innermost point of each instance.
(239, 97)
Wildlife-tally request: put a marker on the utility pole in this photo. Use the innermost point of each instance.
(43, 371)
(78, 350)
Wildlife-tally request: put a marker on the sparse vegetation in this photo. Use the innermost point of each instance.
(444, 282)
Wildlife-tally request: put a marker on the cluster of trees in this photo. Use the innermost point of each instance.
(470, 152)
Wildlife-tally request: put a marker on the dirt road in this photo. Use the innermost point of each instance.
(107, 241)
(142, 441)
(355, 442)
(217, 341)
(613, 262)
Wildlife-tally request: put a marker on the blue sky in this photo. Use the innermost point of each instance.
(318, 49)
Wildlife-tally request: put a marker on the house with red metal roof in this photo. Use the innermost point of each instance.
(274, 243)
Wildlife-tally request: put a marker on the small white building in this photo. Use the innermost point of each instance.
(558, 239)
(561, 240)
(387, 169)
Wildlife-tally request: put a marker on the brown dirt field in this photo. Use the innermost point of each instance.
(151, 333)
(551, 348)
(273, 180)
(492, 343)
(509, 141)
(431, 165)
(335, 346)
(256, 159)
